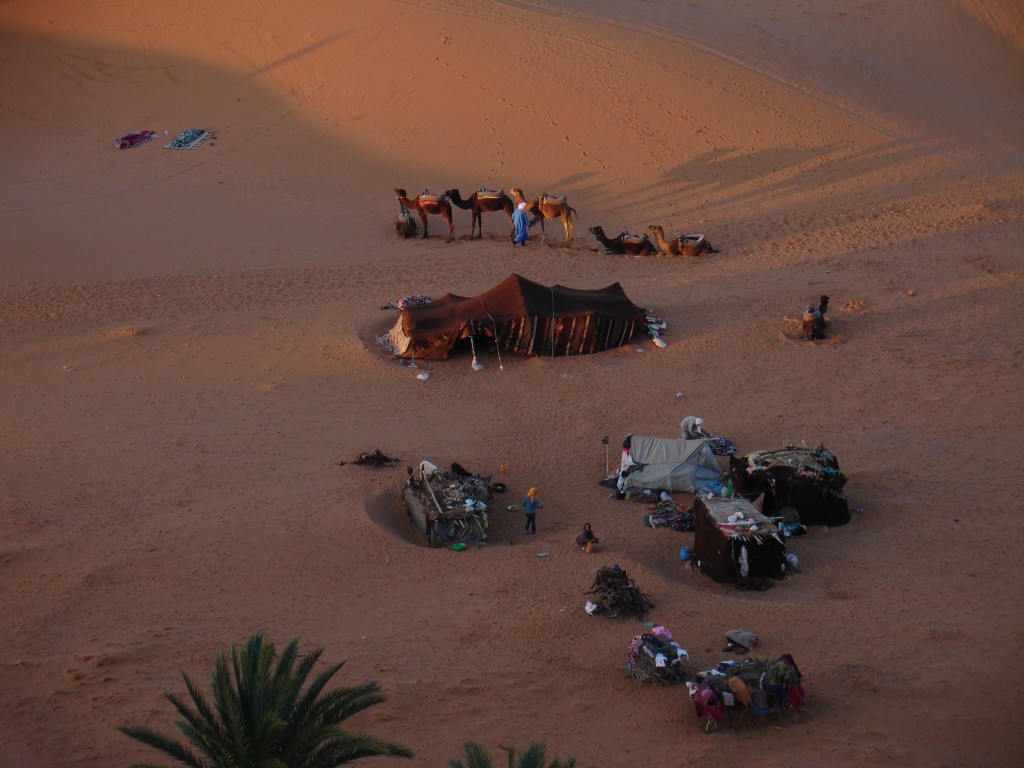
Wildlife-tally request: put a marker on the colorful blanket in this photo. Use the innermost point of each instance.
(134, 139)
(189, 139)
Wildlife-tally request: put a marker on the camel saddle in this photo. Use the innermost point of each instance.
(547, 199)
(692, 239)
(625, 237)
(482, 193)
(426, 197)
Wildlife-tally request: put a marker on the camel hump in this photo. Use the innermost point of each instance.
(484, 192)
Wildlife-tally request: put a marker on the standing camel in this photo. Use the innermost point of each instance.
(480, 202)
(548, 207)
(681, 245)
(427, 203)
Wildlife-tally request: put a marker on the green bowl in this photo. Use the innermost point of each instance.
(458, 546)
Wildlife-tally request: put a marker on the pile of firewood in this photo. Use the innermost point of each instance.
(615, 594)
(375, 458)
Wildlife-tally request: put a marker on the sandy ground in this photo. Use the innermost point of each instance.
(186, 356)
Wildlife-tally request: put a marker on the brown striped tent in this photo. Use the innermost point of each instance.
(522, 316)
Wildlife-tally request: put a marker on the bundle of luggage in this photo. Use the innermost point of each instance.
(657, 657)
(757, 686)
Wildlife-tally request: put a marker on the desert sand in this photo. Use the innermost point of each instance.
(187, 356)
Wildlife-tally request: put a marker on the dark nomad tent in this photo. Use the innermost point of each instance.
(807, 480)
(522, 316)
(734, 542)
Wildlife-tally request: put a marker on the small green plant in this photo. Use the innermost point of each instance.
(475, 756)
(260, 714)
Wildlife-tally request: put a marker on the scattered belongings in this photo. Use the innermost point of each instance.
(733, 542)
(522, 316)
(656, 326)
(655, 656)
(189, 139)
(447, 506)
(813, 321)
(665, 464)
(722, 446)
(134, 139)
(806, 480)
(615, 594)
(760, 687)
(672, 515)
(374, 459)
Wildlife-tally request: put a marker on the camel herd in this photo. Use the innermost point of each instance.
(484, 201)
(542, 207)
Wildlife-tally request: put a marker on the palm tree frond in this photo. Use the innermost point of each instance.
(151, 738)
(476, 757)
(261, 712)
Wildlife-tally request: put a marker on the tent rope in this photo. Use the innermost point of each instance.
(494, 324)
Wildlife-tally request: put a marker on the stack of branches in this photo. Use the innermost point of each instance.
(615, 594)
(374, 459)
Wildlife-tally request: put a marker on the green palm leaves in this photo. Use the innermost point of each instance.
(475, 756)
(262, 714)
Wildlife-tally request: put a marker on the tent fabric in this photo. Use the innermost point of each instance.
(522, 316)
(671, 465)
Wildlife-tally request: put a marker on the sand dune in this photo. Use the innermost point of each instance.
(187, 356)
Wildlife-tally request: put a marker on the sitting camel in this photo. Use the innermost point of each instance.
(427, 203)
(483, 201)
(625, 244)
(813, 321)
(548, 207)
(405, 224)
(681, 245)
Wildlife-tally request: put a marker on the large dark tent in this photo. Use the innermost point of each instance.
(521, 316)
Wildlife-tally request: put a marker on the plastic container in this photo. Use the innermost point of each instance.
(685, 554)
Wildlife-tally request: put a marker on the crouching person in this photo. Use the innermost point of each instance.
(587, 540)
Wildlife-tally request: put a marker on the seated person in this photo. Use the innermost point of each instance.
(586, 537)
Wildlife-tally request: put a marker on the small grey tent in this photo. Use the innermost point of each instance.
(665, 464)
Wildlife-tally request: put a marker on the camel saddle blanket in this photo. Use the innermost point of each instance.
(489, 193)
(426, 198)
